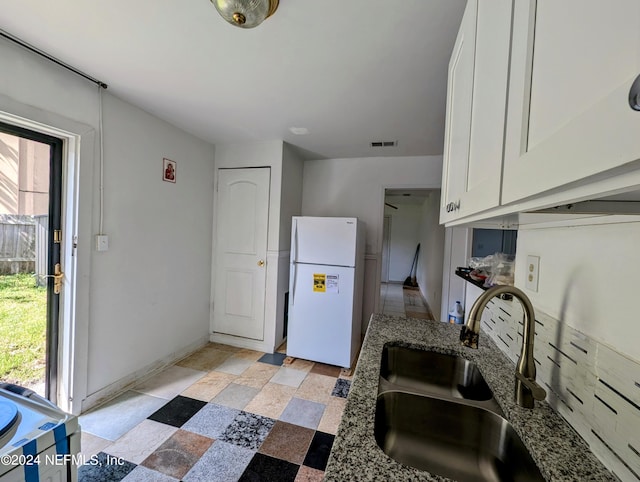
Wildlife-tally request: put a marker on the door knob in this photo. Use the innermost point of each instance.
(261, 263)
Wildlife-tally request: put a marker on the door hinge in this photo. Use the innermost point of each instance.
(57, 236)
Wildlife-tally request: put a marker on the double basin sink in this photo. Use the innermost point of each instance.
(435, 412)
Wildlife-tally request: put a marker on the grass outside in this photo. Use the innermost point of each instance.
(23, 320)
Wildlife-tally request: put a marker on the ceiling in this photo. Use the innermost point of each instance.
(351, 72)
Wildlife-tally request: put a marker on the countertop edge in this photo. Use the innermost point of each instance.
(560, 453)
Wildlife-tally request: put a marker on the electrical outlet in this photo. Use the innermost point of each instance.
(533, 273)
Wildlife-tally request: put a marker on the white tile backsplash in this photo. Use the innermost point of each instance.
(595, 388)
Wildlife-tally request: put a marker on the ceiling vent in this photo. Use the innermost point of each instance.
(384, 144)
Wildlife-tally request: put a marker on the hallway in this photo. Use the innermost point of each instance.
(399, 300)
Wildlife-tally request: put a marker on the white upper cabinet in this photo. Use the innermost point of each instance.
(476, 100)
(573, 63)
(458, 116)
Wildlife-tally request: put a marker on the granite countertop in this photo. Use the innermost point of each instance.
(559, 452)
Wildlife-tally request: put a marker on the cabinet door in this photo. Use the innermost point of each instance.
(458, 117)
(573, 63)
(476, 102)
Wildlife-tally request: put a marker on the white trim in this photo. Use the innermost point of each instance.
(79, 141)
(375, 257)
(594, 220)
(385, 260)
(452, 259)
(447, 273)
(239, 342)
(433, 186)
(612, 182)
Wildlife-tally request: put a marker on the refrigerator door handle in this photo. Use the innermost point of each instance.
(294, 248)
(294, 259)
(294, 269)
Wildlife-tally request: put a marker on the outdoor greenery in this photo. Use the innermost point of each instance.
(23, 319)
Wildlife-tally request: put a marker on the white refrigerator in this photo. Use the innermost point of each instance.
(325, 289)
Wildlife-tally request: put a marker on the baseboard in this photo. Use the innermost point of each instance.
(116, 388)
(240, 342)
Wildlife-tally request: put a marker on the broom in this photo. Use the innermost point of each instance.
(411, 279)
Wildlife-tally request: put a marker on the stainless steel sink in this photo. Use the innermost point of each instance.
(455, 440)
(433, 373)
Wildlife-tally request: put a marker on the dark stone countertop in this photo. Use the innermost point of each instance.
(560, 453)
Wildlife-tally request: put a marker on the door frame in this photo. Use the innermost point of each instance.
(78, 148)
(385, 253)
(457, 250)
(54, 212)
(381, 200)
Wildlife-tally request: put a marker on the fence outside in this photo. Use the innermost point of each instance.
(23, 245)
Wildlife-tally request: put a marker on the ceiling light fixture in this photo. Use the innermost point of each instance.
(245, 13)
(299, 131)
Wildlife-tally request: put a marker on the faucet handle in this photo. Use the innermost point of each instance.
(536, 390)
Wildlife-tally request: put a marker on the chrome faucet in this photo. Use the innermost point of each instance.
(527, 390)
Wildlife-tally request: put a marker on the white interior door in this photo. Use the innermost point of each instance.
(240, 252)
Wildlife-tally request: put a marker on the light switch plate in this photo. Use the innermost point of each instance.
(102, 242)
(533, 273)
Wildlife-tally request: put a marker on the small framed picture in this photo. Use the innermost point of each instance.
(168, 170)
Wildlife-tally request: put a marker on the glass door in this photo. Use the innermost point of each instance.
(30, 258)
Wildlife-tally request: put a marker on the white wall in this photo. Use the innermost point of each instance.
(430, 261)
(290, 205)
(355, 187)
(38, 83)
(404, 238)
(146, 299)
(291, 195)
(150, 291)
(588, 279)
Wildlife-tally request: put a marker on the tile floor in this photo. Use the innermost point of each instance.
(397, 300)
(222, 414)
(227, 414)
(392, 299)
